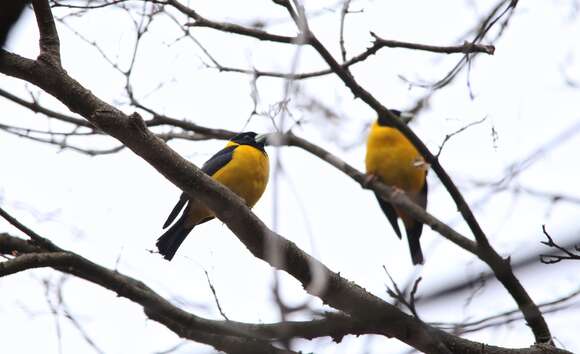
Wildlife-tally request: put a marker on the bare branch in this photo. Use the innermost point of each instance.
(37, 108)
(553, 258)
(506, 317)
(229, 27)
(87, 6)
(39, 240)
(460, 130)
(217, 301)
(343, 13)
(399, 295)
(62, 143)
(467, 47)
(377, 45)
(230, 339)
(480, 31)
(224, 335)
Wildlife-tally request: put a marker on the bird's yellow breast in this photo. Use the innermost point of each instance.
(246, 174)
(391, 157)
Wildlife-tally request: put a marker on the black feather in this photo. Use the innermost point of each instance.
(176, 209)
(414, 244)
(219, 160)
(390, 213)
(415, 228)
(170, 241)
(214, 164)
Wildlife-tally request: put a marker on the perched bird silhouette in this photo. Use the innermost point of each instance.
(393, 159)
(242, 166)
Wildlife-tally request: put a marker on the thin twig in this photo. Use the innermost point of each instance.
(553, 258)
(215, 297)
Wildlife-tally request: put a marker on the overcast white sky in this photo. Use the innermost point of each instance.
(111, 208)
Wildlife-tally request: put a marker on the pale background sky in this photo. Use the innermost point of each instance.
(111, 208)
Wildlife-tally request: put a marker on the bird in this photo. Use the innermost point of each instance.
(394, 160)
(242, 166)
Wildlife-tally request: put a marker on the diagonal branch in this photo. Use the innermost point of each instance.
(501, 267)
(201, 21)
(36, 238)
(215, 333)
(193, 327)
(37, 108)
(49, 42)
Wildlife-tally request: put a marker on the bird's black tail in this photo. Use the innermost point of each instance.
(170, 241)
(415, 248)
(414, 230)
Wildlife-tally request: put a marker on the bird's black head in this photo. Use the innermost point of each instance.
(250, 138)
(383, 121)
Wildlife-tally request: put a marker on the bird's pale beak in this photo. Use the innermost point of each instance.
(261, 138)
(407, 117)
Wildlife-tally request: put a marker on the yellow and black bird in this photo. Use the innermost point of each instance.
(393, 159)
(242, 166)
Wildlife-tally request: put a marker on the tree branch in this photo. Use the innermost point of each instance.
(224, 335)
(37, 108)
(465, 48)
(555, 258)
(230, 27)
(49, 42)
(215, 333)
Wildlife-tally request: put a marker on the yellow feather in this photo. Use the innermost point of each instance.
(246, 175)
(391, 157)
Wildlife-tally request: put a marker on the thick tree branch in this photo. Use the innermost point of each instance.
(49, 42)
(220, 334)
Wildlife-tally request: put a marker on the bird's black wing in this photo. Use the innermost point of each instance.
(422, 197)
(415, 227)
(390, 213)
(219, 160)
(176, 209)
